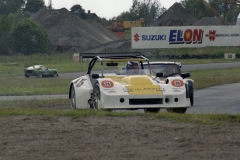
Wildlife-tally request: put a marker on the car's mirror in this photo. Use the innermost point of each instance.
(159, 74)
(185, 75)
(112, 64)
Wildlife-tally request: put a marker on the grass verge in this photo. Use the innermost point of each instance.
(48, 86)
(176, 118)
(33, 86)
(49, 108)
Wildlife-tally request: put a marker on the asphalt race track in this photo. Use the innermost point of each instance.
(223, 99)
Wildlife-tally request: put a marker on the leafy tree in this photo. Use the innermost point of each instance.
(196, 8)
(16, 17)
(10, 6)
(150, 10)
(5, 35)
(102, 21)
(79, 11)
(232, 14)
(33, 6)
(7, 24)
(127, 16)
(199, 10)
(30, 38)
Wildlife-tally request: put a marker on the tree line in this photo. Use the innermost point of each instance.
(20, 35)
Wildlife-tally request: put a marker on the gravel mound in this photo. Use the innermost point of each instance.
(208, 21)
(176, 15)
(212, 21)
(68, 32)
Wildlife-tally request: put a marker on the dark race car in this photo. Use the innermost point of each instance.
(39, 71)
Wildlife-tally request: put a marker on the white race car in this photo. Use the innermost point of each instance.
(131, 86)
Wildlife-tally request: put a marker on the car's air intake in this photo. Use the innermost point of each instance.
(148, 101)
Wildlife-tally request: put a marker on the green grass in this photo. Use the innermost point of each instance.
(57, 85)
(198, 51)
(24, 108)
(64, 63)
(34, 103)
(212, 77)
(13, 84)
(33, 86)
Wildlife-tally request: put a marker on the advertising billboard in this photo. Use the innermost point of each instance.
(184, 36)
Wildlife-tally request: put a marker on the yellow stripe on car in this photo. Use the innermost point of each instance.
(141, 85)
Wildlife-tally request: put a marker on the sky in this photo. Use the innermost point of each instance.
(103, 8)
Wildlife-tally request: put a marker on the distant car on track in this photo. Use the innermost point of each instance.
(39, 71)
(129, 88)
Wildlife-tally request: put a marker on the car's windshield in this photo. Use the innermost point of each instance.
(166, 69)
(122, 70)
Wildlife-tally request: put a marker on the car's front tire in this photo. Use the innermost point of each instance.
(177, 110)
(27, 76)
(96, 96)
(191, 92)
(73, 98)
(192, 98)
(55, 74)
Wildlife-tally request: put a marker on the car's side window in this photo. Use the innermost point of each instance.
(43, 68)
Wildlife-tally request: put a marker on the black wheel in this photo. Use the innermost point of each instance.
(40, 75)
(151, 110)
(73, 98)
(192, 98)
(27, 76)
(177, 110)
(96, 96)
(55, 74)
(191, 90)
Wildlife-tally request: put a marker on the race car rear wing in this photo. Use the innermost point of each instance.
(109, 55)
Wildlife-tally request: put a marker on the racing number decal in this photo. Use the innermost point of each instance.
(177, 83)
(107, 84)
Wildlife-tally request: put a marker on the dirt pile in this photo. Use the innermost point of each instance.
(208, 21)
(176, 15)
(212, 21)
(68, 32)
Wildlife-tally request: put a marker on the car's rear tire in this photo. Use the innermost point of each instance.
(40, 75)
(177, 110)
(27, 76)
(73, 98)
(151, 110)
(96, 96)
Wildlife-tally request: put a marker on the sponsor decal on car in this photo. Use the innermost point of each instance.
(176, 90)
(177, 83)
(107, 84)
(112, 91)
(144, 90)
